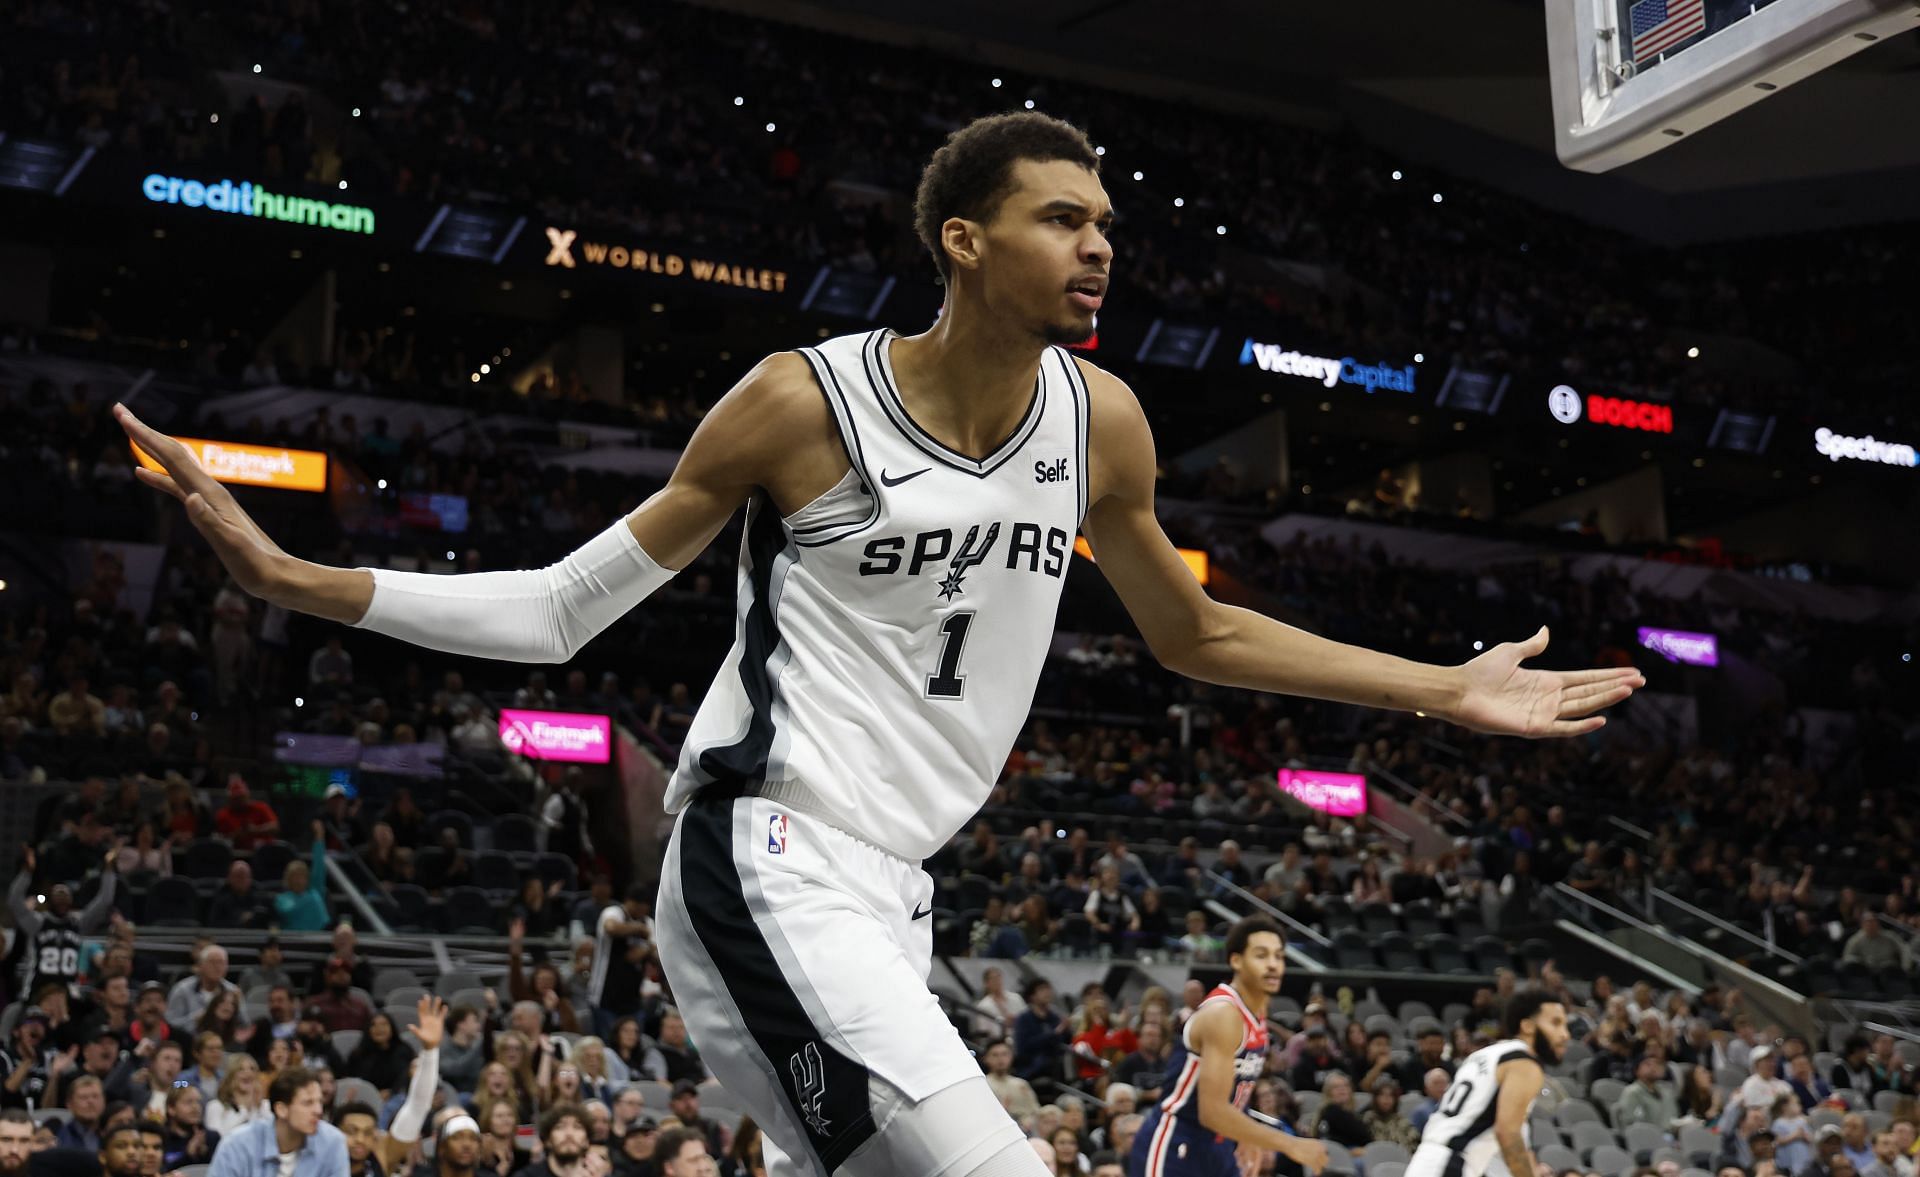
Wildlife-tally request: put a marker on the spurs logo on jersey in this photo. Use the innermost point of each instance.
(55, 950)
(1458, 1140)
(891, 632)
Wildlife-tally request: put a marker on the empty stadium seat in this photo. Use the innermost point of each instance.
(387, 980)
(516, 833)
(270, 860)
(173, 903)
(204, 858)
(451, 819)
(495, 871)
(1612, 1160)
(1642, 1139)
(471, 912)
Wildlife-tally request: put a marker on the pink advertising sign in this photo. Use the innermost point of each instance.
(557, 735)
(1343, 794)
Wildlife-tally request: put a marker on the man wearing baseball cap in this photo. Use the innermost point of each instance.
(1764, 1085)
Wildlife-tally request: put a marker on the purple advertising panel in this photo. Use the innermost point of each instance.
(557, 735)
(1343, 794)
(1677, 645)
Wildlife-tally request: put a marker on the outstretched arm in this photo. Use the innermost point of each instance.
(544, 615)
(25, 918)
(93, 913)
(412, 1116)
(1192, 634)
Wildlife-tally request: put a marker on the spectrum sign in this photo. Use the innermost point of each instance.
(557, 735)
(1834, 446)
(1272, 357)
(1567, 407)
(1677, 645)
(248, 199)
(1342, 794)
(251, 465)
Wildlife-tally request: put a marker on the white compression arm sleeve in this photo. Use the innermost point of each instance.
(537, 615)
(412, 1115)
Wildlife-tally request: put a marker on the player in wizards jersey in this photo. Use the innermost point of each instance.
(1200, 1127)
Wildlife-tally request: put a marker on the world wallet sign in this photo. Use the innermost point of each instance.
(571, 249)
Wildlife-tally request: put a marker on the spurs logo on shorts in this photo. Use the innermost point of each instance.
(809, 1085)
(777, 834)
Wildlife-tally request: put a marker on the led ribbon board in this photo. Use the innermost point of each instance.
(247, 199)
(557, 735)
(251, 465)
(1342, 794)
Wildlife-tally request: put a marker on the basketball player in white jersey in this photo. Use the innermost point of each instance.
(1479, 1127)
(911, 507)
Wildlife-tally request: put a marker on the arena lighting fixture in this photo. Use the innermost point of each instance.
(996, 83)
(739, 101)
(382, 484)
(1693, 353)
(1029, 104)
(299, 702)
(1220, 230)
(1396, 173)
(1099, 151)
(769, 128)
(215, 119)
(356, 112)
(1437, 198)
(343, 185)
(1178, 202)
(256, 67)
(1139, 175)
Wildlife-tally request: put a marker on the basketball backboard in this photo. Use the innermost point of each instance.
(1633, 76)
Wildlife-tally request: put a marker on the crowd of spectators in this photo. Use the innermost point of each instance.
(805, 144)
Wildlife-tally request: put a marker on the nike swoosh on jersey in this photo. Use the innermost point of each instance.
(885, 481)
(920, 915)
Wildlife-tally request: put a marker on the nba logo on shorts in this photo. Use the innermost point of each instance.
(777, 834)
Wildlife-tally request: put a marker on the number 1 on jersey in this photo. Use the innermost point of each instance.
(947, 683)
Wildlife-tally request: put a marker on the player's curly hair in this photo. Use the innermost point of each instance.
(972, 173)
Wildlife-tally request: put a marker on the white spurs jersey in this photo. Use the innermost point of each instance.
(1458, 1140)
(891, 632)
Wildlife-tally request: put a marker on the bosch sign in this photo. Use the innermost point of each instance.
(1567, 406)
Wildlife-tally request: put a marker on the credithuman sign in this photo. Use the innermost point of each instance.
(248, 199)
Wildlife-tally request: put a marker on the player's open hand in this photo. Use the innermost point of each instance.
(1500, 697)
(250, 557)
(1306, 1152)
(432, 1026)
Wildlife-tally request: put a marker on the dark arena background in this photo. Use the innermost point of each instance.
(446, 286)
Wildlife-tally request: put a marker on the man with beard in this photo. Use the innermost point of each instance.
(55, 934)
(16, 1141)
(297, 1142)
(1484, 1113)
(563, 1131)
(457, 1150)
(1202, 1129)
(316, 1044)
(372, 1153)
(149, 1016)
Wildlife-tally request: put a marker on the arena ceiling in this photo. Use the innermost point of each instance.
(1460, 85)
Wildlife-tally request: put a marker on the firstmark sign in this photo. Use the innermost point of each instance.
(567, 250)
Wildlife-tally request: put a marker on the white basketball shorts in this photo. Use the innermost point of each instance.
(798, 956)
